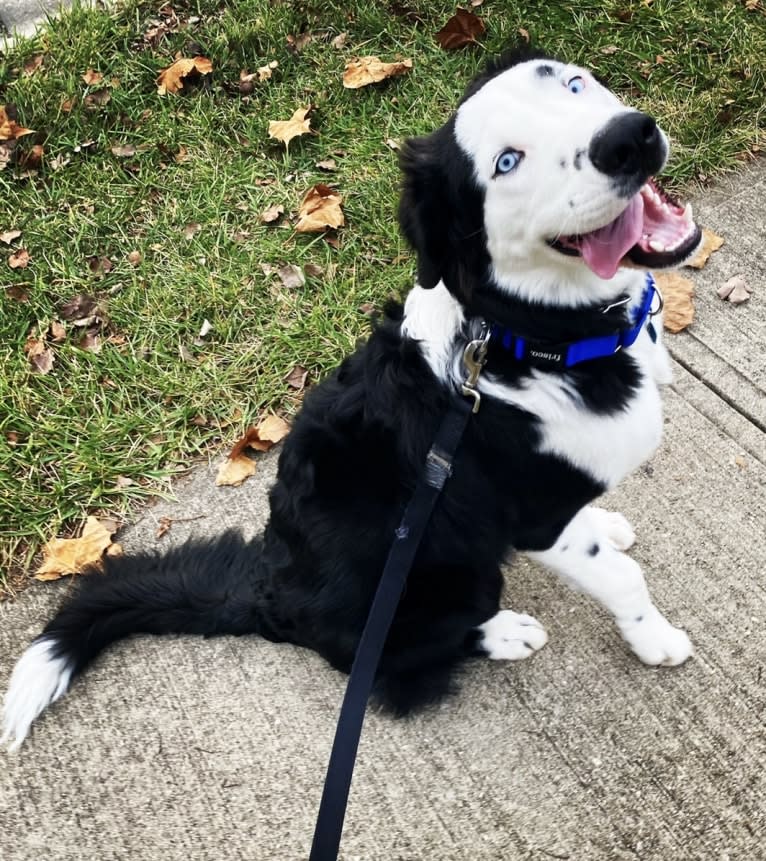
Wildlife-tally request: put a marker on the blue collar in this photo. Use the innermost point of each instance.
(568, 353)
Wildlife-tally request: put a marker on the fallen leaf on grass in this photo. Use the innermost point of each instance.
(320, 209)
(327, 164)
(39, 354)
(678, 296)
(57, 332)
(100, 266)
(235, 470)
(291, 276)
(262, 437)
(91, 77)
(32, 159)
(299, 42)
(265, 72)
(171, 80)
(97, 99)
(79, 308)
(124, 150)
(19, 259)
(271, 213)
(736, 290)
(710, 242)
(32, 65)
(286, 130)
(9, 236)
(296, 379)
(71, 555)
(461, 30)
(340, 40)
(10, 130)
(363, 71)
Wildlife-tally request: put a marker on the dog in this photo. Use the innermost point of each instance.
(534, 216)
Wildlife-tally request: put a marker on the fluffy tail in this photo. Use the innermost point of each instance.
(199, 588)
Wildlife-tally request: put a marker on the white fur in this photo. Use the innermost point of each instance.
(38, 679)
(616, 581)
(429, 317)
(510, 636)
(546, 199)
(607, 447)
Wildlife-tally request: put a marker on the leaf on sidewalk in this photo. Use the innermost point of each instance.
(235, 470)
(678, 296)
(63, 556)
(710, 242)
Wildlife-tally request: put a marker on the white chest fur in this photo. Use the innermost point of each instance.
(607, 447)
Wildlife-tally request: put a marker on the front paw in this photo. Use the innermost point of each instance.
(655, 640)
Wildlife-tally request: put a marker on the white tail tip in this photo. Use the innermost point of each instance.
(38, 679)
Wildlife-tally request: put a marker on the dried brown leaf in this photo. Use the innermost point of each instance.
(234, 471)
(265, 72)
(461, 30)
(63, 556)
(678, 295)
(134, 258)
(97, 99)
(320, 209)
(57, 332)
(32, 65)
(92, 77)
(19, 259)
(79, 307)
(363, 71)
(271, 213)
(286, 130)
(9, 128)
(291, 276)
(327, 164)
(296, 379)
(9, 235)
(736, 290)
(710, 242)
(299, 42)
(172, 79)
(340, 40)
(124, 150)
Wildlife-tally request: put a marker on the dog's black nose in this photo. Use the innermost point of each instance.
(629, 148)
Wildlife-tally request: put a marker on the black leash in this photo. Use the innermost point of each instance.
(436, 471)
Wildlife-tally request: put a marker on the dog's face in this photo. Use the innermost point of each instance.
(542, 169)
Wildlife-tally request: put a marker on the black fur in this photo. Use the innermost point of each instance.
(346, 472)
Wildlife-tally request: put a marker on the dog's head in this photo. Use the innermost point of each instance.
(542, 175)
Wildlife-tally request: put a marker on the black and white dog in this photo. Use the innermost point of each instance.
(530, 211)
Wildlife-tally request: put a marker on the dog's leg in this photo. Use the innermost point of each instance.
(510, 636)
(587, 556)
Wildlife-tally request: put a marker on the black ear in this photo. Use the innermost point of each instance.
(441, 213)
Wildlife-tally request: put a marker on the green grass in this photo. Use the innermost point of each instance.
(137, 410)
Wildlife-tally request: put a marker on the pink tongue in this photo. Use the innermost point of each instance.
(603, 249)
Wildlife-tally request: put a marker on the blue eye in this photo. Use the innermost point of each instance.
(576, 85)
(507, 161)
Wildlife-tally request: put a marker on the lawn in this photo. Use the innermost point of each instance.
(150, 206)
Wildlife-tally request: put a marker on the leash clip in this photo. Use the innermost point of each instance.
(474, 359)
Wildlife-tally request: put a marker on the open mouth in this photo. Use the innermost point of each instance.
(653, 231)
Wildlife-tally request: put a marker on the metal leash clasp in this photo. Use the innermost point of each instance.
(474, 359)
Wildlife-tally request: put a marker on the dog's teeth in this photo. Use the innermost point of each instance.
(657, 246)
(688, 216)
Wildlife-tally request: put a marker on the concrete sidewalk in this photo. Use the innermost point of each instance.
(194, 750)
(22, 17)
